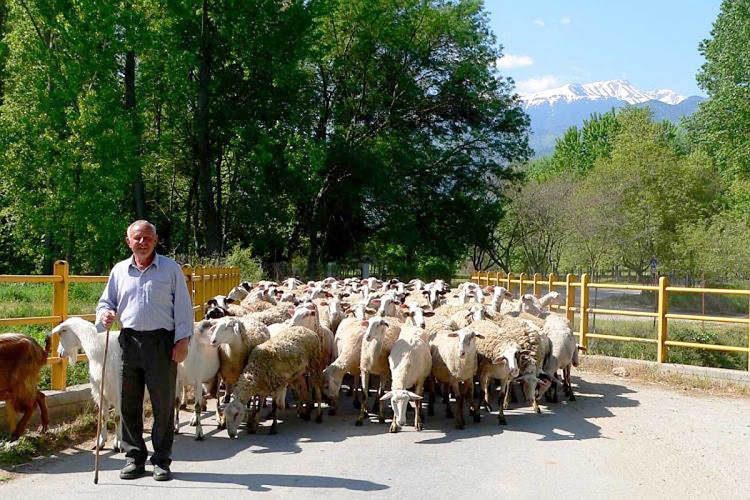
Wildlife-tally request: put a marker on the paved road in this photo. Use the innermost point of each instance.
(621, 439)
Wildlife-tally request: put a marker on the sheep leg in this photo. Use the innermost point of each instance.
(431, 398)
(446, 400)
(507, 387)
(473, 407)
(456, 386)
(418, 417)
(221, 404)
(381, 404)
(117, 445)
(28, 411)
(179, 394)
(274, 426)
(319, 401)
(44, 416)
(197, 408)
(365, 389)
(530, 393)
(567, 385)
(500, 414)
(484, 382)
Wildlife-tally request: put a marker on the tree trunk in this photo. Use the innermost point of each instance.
(139, 189)
(211, 229)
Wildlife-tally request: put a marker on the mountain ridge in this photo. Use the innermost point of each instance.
(553, 111)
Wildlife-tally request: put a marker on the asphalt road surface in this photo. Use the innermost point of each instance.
(620, 439)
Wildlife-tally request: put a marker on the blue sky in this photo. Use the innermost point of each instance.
(652, 44)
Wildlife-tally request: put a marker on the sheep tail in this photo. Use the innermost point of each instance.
(47, 345)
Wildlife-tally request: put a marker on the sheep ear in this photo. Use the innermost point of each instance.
(414, 396)
(237, 328)
(324, 303)
(429, 313)
(453, 334)
(500, 361)
(370, 310)
(479, 336)
(387, 396)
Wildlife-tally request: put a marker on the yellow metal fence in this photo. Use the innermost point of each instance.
(537, 283)
(203, 283)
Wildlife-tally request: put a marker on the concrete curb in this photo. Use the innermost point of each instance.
(61, 405)
(701, 372)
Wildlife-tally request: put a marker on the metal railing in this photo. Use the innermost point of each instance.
(203, 283)
(661, 316)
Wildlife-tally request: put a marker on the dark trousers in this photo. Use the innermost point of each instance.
(147, 362)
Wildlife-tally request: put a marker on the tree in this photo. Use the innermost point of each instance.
(647, 191)
(721, 126)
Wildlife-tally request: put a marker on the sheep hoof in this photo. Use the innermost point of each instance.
(501, 421)
(418, 426)
(459, 426)
(572, 398)
(393, 428)
(359, 422)
(319, 419)
(381, 419)
(477, 418)
(221, 426)
(199, 437)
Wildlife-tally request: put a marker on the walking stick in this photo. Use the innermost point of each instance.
(101, 404)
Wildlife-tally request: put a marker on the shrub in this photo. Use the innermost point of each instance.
(251, 268)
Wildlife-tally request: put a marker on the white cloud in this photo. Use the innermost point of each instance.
(565, 20)
(513, 61)
(538, 22)
(534, 85)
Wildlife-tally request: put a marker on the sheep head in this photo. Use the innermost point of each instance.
(399, 399)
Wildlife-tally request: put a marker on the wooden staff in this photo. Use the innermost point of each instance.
(101, 404)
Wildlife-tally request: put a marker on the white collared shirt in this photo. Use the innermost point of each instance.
(154, 298)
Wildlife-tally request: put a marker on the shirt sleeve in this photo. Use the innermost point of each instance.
(183, 308)
(108, 300)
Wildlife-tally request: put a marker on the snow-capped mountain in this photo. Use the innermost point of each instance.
(553, 111)
(612, 89)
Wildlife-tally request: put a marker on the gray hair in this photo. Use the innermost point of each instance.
(141, 222)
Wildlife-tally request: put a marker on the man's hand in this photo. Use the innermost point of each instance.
(108, 317)
(180, 350)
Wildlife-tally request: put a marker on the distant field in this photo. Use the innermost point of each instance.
(22, 300)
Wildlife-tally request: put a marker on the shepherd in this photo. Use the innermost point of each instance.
(147, 292)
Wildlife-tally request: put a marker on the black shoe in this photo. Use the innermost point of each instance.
(132, 470)
(162, 473)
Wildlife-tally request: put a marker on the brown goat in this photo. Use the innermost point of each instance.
(21, 359)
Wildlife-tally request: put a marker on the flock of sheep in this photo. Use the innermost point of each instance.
(264, 339)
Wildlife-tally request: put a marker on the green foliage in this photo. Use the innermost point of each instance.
(721, 126)
(251, 268)
(296, 128)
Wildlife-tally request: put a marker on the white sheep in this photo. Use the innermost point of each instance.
(348, 342)
(78, 333)
(274, 365)
(380, 336)
(235, 337)
(201, 365)
(454, 363)
(410, 362)
(564, 353)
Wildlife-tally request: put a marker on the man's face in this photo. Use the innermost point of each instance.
(142, 240)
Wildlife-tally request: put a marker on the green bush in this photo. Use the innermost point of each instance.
(251, 268)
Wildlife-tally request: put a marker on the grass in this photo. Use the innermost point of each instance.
(35, 444)
(21, 300)
(694, 331)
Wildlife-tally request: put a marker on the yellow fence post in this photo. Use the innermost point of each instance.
(200, 292)
(520, 283)
(584, 309)
(570, 298)
(552, 278)
(662, 308)
(510, 282)
(188, 272)
(59, 308)
(535, 287)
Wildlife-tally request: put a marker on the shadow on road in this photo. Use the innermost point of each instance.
(568, 420)
(264, 482)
